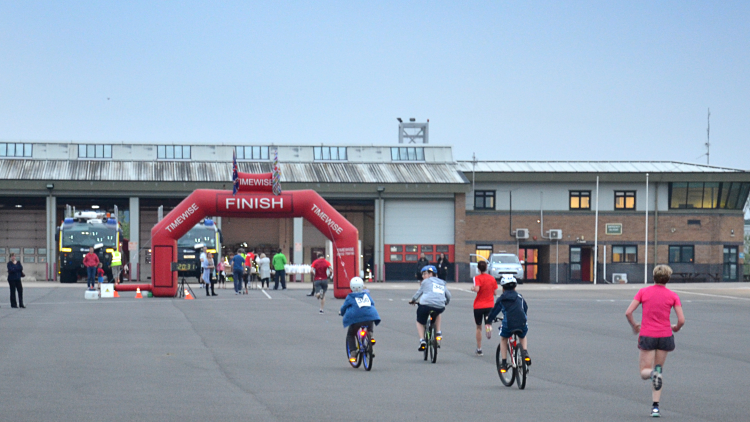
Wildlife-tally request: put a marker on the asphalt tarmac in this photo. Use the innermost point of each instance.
(274, 358)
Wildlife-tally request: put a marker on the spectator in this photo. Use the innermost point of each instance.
(442, 267)
(279, 261)
(238, 267)
(423, 262)
(15, 273)
(208, 265)
(264, 268)
(91, 262)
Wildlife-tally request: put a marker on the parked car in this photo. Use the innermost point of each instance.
(506, 263)
(473, 259)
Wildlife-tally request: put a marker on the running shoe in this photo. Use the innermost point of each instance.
(656, 378)
(422, 345)
(655, 412)
(504, 367)
(320, 311)
(479, 353)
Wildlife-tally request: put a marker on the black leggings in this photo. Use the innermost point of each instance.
(265, 281)
(210, 283)
(15, 286)
(351, 333)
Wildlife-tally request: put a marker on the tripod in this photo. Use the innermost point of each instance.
(181, 289)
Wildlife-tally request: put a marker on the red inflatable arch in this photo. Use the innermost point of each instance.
(258, 204)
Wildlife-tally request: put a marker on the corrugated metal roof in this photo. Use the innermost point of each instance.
(589, 167)
(197, 171)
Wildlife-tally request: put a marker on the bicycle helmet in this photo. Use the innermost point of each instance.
(430, 268)
(357, 284)
(507, 279)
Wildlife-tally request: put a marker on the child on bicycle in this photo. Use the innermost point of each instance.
(358, 310)
(433, 297)
(514, 309)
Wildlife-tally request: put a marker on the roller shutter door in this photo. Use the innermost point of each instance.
(25, 232)
(419, 222)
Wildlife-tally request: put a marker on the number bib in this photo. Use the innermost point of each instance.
(437, 288)
(363, 301)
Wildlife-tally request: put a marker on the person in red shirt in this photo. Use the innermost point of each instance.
(249, 265)
(91, 261)
(320, 281)
(655, 338)
(485, 286)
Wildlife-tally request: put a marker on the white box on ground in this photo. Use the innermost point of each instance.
(108, 290)
(91, 295)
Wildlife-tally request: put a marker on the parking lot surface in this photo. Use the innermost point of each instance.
(274, 358)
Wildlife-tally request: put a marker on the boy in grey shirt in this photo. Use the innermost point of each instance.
(433, 296)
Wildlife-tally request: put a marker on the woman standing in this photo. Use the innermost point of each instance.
(655, 338)
(15, 272)
(485, 286)
(208, 266)
(442, 267)
(264, 268)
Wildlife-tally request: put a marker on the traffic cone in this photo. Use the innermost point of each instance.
(116, 294)
(138, 294)
(188, 296)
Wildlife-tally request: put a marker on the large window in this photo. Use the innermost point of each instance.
(94, 151)
(682, 254)
(15, 150)
(580, 200)
(173, 152)
(407, 154)
(624, 200)
(625, 254)
(482, 250)
(252, 153)
(484, 200)
(709, 195)
(329, 153)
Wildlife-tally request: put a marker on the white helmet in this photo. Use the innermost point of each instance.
(507, 279)
(357, 284)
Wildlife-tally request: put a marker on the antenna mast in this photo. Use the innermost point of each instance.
(708, 139)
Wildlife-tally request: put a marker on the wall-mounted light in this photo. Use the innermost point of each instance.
(95, 207)
(50, 186)
(19, 206)
(732, 232)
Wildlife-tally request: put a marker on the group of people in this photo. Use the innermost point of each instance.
(242, 267)
(442, 265)
(95, 268)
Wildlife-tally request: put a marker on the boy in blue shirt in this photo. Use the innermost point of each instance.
(358, 310)
(514, 309)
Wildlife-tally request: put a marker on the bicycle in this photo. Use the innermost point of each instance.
(430, 337)
(365, 343)
(517, 366)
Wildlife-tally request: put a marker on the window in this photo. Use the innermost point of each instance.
(624, 200)
(580, 200)
(482, 250)
(410, 248)
(173, 152)
(484, 200)
(397, 248)
(682, 254)
(252, 153)
(699, 195)
(94, 151)
(329, 153)
(15, 150)
(625, 254)
(407, 154)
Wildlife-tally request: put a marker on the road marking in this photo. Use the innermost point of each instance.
(708, 294)
(267, 295)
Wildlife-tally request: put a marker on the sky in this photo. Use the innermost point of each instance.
(503, 80)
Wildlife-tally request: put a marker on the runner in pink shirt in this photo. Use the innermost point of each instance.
(655, 338)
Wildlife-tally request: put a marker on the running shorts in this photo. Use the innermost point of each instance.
(656, 343)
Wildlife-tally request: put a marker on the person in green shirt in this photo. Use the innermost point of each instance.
(279, 261)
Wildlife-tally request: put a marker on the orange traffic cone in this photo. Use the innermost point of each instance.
(116, 294)
(138, 293)
(187, 295)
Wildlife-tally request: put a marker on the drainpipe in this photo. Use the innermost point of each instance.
(596, 232)
(656, 224)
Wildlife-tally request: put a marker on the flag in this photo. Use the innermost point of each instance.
(276, 177)
(235, 174)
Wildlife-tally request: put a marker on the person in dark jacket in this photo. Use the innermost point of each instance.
(423, 262)
(514, 309)
(358, 310)
(15, 272)
(442, 267)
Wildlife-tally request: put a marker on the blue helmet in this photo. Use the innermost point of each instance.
(430, 268)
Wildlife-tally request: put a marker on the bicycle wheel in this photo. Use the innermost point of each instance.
(428, 327)
(433, 345)
(521, 368)
(507, 377)
(367, 354)
(357, 361)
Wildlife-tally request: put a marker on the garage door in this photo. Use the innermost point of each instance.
(419, 221)
(24, 232)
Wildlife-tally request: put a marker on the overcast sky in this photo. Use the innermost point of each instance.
(506, 80)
